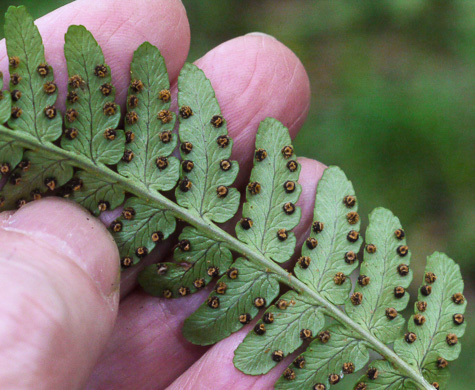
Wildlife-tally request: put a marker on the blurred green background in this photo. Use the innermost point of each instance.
(393, 104)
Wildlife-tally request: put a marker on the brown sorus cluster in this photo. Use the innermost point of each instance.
(317, 227)
(410, 337)
(391, 313)
(71, 115)
(403, 269)
(260, 329)
(164, 95)
(245, 318)
(399, 292)
(49, 87)
(289, 374)
(131, 118)
(268, 318)
(137, 85)
(349, 201)
(128, 156)
(222, 191)
(259, 302)
(372, 373)
(157, 236)
(222, 141)
(217, 121)
(363, 280)
(162, 163)
(186, 147)
(311, 243)
(185, 184)
(76, 81)
(221, 288)
(371, 248)
(277, 355)
(421, 306)
(110, 134)
(254, 188)
(214, 272)
(43, 70)
(110, 108)
(225, 165)
(213, 302)
(324, 336)
(282, 304)
(129, 137)
(352, 217)
(260, 154)
(50, 112)
(16, 95)
(186, 112)
(287, 151)
(106, 89)
(353, 236)
(101, 71)
(304, 262)
(356, 298)
(246, 223)
(350, 257)
(165, 116)
(166, 137)
(282, 234)
(299, 362)
(339, 278)
(232, 273)
(187, 165)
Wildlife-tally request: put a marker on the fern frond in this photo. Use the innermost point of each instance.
(103, 167)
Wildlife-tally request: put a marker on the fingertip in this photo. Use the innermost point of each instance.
(74, 233)
(256, 76)
(120, 27)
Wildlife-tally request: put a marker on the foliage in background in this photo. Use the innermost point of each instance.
(394, 78)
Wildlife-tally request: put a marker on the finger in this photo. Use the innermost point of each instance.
(119, 26)
(216, 367)
(255, 77)
(149, 329)
(60, 272)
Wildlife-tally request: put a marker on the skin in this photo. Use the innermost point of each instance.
(61, 327)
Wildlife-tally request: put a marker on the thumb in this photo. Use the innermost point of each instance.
(59, 278)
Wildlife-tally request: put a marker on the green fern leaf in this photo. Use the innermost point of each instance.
(204, 186)
(150, 138)
(198, 259)
(334, 240)
(384, 277)
(295, 319)
(10, 152)
(140, 229)
(31, 79)
(36, 175)
(94, 193)
(439, 323)
(92, 115)
(336, 350)
(270, 213)
(239, 295)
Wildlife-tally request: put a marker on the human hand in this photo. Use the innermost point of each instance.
(60, 267)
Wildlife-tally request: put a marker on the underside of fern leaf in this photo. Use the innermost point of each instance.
(87, 158)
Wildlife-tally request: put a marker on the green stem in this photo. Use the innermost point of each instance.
(215, 232)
